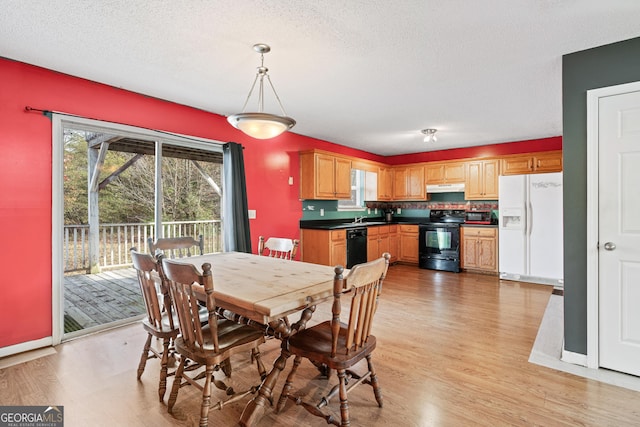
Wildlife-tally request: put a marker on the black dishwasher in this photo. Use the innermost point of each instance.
(356, 246)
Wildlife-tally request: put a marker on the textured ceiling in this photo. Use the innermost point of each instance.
(362, 73)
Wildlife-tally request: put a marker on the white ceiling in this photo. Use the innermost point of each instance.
(368, 74)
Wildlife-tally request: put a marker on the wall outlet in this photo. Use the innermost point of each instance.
(252, 214)
(375, 211)
(399, 211)
(290, 180)
(368, 211)
(321, 212)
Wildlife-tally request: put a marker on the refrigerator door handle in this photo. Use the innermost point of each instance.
(529, 218)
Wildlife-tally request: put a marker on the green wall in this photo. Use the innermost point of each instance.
(603, 66)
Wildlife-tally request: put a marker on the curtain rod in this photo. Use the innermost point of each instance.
(48, 113)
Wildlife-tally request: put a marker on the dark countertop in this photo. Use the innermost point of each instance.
(338, 224)
(480, 225)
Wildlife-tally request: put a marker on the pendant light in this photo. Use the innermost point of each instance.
(258, 124)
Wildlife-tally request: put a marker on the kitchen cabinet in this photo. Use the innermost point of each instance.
(543, 162)
(408, 183)
(408, 251)
(377, 241)
(324, 176)
(482, 180)
(327, 247)
(444, 173)
(393, 243)
(480, 249)
(385, 184)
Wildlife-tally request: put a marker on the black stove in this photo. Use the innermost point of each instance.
(439, 240)
(454, 216)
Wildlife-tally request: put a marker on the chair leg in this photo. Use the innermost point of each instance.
(145, 356)
(176, 384)
(344, 404)
(286, 390)
(162, 388)
(255, 354)
(377, 392)
(206, 397)
(225, 365)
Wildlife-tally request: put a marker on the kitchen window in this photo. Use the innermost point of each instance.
(356, 202)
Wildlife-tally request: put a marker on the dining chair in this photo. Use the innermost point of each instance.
(278, 247)
(159, 322)
(339, 346)
(177, 247)
(206, 346)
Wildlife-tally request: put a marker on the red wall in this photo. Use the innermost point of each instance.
(543, 144)
(25, 176)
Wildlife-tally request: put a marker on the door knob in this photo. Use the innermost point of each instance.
(609, 246)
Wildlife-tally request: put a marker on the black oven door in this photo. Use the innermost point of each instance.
(440, 246)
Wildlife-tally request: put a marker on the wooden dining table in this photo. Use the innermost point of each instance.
(262, 291)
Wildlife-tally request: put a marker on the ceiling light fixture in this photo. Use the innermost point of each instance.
(429, 135)
(261, 125)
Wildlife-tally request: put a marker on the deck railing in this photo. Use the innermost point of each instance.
(117, 239)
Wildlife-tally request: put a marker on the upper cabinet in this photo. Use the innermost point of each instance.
(385, 183)
(547, 161)
(444, 173)
(482, 180)
(408, 183)
(324, 176)
(327, 176)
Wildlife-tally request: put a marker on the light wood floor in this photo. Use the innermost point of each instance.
(452, 351)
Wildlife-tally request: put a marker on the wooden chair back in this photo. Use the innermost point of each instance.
(278, 247)
(177, 247)
(154, 292)
(185, 283)
(362, 286)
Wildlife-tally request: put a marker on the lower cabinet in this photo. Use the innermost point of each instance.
(393, 243)
(408, 244)
(377, 241)
(327, 247)
(480, 249)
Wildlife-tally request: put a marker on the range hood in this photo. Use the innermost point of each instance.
(446, 188)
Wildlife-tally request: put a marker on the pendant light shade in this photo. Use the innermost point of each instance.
(258, 124)
(261, 125)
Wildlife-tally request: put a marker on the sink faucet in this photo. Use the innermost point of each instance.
(358, 220)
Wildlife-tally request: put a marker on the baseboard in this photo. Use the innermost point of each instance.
(25, 346)
(574, 358)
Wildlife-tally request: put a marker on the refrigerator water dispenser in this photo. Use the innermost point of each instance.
(511, 218)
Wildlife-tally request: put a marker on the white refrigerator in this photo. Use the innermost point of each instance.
(530, 233)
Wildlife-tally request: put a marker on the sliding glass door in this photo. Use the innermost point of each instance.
(116, 187)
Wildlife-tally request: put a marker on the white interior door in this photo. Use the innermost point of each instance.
(619, 231)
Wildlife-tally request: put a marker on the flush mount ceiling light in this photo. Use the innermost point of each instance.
(429, 135)
(258, 124)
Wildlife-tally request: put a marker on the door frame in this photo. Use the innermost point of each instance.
(593, 142)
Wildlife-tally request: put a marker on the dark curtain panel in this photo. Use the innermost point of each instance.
(234, 195)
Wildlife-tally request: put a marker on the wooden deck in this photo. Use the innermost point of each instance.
(97, 299)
